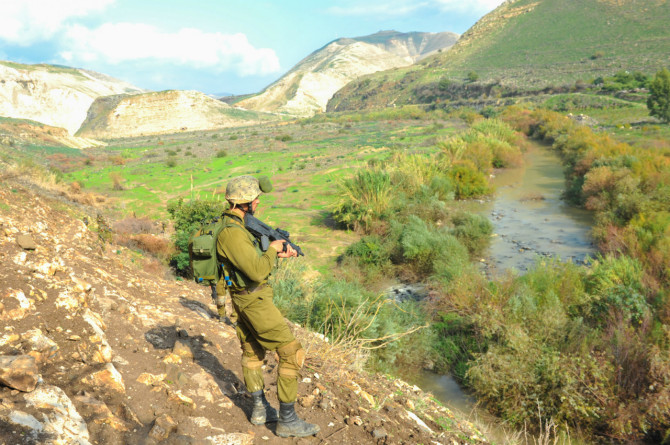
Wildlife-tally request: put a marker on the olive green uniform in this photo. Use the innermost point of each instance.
(260, 325)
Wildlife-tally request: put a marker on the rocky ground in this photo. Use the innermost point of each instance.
(95, 350)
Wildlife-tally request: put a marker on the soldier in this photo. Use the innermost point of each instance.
(260, 325)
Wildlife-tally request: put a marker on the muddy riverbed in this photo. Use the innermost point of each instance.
(530, 221)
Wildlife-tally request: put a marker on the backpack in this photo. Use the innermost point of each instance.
(202, 253)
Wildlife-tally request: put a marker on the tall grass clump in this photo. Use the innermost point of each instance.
(364, 198)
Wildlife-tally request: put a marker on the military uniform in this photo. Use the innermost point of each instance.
(260, 325)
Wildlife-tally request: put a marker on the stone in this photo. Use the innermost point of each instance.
(182, 349)
(17, 309)
(208, 389)
(325, 404)
(307, 401)
(26, 242)
(19, 372)
(41, 346)
(108, 377)
(60, 420)
(151, 379)
(231, 439)
(368, 398)
(178, 397)
(175, 375)
(162, 428)
(379, 433)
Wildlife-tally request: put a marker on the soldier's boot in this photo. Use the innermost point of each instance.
(262, 411)
(290, 425)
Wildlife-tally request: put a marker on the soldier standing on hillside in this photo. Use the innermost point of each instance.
(260, 325)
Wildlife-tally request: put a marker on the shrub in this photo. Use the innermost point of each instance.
(469, 182)
(473, 231)
(364, 198)
(117, 180)
(132, 225)
(187, 217)
(170, 163)
(432, 252)
(221, 154)
(658, 102)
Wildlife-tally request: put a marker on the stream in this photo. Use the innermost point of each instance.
(530, 221)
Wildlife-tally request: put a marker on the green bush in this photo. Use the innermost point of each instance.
(364, 198)
(469, 182)
(659, 96)
(473, 231)
(187, 217)
(432, 252)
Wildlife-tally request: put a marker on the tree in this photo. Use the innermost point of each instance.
(659, 96)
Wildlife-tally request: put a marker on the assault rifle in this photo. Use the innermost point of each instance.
(266, 234)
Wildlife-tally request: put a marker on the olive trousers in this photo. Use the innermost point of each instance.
(260, 328)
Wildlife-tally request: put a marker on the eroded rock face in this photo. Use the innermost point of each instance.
(307, 87)
(52, 95)
(160, 112)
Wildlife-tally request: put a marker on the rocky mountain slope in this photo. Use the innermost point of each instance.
(526, 45)
(96, 349)
(162, 112)
(54, 95)
(308, 86)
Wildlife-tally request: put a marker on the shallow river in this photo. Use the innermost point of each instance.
(530, 220)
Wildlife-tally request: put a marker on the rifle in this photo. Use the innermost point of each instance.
(265, 234)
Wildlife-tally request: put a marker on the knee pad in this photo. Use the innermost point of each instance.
(291, 359)
(252, 355)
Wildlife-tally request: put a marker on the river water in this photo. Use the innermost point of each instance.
(530, 221)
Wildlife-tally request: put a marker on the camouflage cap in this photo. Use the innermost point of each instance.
(242, 189)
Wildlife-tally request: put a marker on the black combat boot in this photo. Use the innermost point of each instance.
(291, 425)
(262, 412)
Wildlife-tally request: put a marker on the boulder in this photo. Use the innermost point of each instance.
(26, 242)
(19, 372)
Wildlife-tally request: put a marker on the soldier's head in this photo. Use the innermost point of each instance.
(243, 191)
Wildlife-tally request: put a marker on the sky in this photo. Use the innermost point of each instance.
(214, 46)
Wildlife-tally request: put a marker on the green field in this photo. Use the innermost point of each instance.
(304, 160)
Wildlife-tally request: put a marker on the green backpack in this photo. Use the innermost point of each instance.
(202, 253)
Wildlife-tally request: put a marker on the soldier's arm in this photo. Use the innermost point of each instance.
(236, 246)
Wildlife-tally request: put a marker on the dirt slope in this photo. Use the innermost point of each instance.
(93, 349)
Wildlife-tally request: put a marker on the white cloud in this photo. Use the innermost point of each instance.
(25, 22)
(123, 42)
(404, 7)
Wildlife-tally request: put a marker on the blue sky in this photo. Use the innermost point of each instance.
(224, 46)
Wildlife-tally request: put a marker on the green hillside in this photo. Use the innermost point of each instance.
(529, 45)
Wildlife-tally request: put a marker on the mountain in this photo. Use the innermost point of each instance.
(54, 95)
(162, 112)
(526, 45)
(98, 347)
(308, 86)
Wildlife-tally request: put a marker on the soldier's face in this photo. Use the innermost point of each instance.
(254, 204)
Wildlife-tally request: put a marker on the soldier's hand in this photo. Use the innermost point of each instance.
(279, 247)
